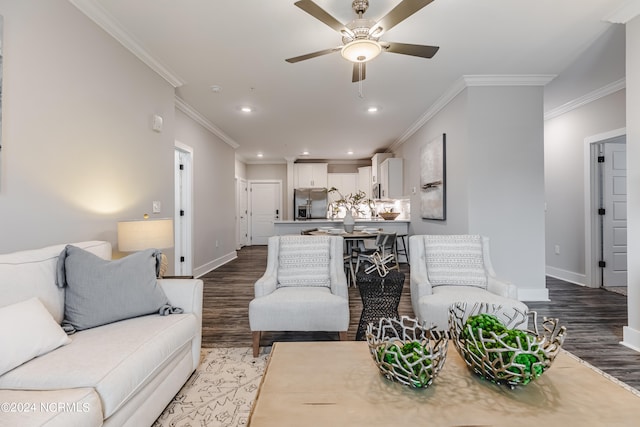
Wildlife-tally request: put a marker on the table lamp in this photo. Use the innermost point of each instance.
(137, 235)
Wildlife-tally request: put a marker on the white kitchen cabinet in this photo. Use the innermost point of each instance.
(391, 185)
(364, 180)
(310, 175)
(376, 161)
(346, 183)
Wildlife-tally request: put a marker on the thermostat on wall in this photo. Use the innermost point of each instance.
(157, 123)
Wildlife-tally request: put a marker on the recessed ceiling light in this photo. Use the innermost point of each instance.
(246, 109)
(350, 152)
(260, 155)
(305, 153)
(373, 109)
(216, 89)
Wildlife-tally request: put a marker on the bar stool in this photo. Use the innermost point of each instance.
(405, 249)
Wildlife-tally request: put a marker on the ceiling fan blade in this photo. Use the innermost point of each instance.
(402, 11)
(358, 72)
(320, 14)
(410, 49)
(313, 55)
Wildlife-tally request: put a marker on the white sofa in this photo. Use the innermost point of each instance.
(120, 374)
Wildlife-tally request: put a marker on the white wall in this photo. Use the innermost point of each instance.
(78, 151)
(213, 194)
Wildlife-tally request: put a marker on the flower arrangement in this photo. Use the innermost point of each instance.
(356, 203)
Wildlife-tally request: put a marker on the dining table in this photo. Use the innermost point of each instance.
(352, 240)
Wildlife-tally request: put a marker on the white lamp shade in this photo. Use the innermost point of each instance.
(361, 50)
(143, 234)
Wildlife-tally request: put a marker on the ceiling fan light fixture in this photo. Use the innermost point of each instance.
(361, 50)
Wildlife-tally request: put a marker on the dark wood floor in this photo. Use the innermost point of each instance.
(594, 317)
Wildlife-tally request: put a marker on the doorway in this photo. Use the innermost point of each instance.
(605, 210)
(242, 213)
(265, 206)
(183, 215)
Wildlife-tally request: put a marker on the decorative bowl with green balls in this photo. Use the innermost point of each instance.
(504, 345)
(407, 352)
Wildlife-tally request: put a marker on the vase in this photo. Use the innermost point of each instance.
(348, 222)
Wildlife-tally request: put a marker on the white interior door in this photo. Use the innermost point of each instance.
(183, 215)
(243, 213)
(614, 220)
(265, 206)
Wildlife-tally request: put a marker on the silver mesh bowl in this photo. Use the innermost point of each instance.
(407, 352)
(513, 358)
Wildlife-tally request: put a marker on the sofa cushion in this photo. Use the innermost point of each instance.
(436, 306)
(27, 330)
(314, 309)
(100, 291)
(304, 261)
(455, 260)
(117, 359)
(32, 273)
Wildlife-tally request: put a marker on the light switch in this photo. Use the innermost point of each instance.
(156, 206)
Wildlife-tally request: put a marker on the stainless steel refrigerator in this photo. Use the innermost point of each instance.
(310, 203)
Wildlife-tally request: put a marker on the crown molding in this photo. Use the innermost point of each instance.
(199, 118)
(508, 79)
(625, 13)
(586, 99)
(461, 84)
(94, 11)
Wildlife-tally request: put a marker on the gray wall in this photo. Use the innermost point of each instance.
(213, 194)
(600, 65)
(78, 151)
(632, 332)
(452, 121)
(495, 177)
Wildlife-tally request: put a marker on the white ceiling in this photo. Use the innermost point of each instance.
(241, 46)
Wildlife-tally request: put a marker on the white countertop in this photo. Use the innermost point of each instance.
(337, 221)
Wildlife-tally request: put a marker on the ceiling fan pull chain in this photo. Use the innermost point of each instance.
(360, 94)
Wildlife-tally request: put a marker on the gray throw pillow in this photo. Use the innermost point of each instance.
(99, 291)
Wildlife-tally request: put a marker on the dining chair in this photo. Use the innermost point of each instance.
(385, 247)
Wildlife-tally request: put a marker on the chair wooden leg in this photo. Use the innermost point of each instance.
(256, 343)
(343, 335)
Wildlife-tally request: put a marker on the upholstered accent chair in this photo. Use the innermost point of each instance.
(304, 288)
(454, 268)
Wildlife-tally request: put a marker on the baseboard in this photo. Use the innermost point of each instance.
(525, 294)
(212, 265)
(567, 276)
(631, 338)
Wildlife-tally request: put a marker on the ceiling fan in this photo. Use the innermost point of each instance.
(360, 37)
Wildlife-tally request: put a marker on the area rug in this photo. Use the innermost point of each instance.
(220, 392)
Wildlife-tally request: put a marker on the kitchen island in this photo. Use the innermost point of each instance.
(283, 227)
(398, 226)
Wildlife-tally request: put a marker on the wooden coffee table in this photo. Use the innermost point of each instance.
(338, 384)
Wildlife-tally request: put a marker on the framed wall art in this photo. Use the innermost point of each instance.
(433, 194)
